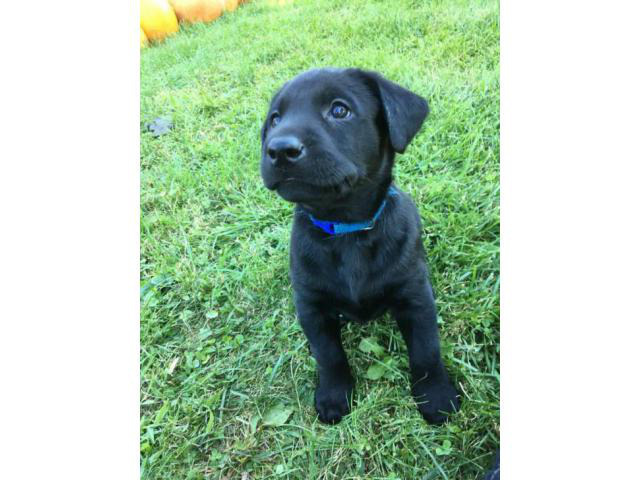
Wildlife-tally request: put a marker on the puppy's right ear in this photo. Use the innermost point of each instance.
(404, 111)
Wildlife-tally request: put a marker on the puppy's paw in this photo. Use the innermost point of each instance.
(436, 399)
(332, 401)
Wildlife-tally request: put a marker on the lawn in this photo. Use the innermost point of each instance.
(226, 377)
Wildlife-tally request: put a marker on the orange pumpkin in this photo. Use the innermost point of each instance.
(197, 10)
(230, 5)
(157, 19)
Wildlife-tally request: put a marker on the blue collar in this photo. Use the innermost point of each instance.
(337, 228)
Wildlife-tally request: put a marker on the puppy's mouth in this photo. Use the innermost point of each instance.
(347, 182)
(296, 190)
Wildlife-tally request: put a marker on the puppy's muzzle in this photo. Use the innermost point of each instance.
(285, 151)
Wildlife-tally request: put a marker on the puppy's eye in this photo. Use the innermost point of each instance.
(339, 110)
(275, 119)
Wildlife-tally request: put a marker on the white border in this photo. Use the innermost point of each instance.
(569, 239)
(69, 245)
(69, 190)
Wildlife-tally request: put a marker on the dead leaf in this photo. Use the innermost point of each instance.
(173, 365)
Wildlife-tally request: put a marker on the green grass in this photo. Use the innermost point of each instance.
(220, 345)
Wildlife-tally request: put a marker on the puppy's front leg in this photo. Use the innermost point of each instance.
(415, 314)
(335, 383)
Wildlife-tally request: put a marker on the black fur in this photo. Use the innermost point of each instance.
(340, 169)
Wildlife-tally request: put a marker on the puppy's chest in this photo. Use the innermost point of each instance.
(355, 272)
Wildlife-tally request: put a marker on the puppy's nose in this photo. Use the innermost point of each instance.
(285, 150)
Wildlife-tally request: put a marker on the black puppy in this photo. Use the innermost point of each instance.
(328, 145)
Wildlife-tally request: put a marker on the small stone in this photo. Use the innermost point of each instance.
(160, 126)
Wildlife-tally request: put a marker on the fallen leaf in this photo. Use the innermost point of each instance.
(277, 415)
(370, 345)
(375, 372)
(445, 449)
(173, 365)
(253, 423)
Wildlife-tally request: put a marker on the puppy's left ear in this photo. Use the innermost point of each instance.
(404, 111)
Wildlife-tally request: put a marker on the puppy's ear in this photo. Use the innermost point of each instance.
(404, 111)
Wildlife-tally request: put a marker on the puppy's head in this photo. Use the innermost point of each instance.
(331, 132)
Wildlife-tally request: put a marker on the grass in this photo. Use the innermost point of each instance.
(226, 377)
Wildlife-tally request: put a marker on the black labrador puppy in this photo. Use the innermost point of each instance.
(328, 145)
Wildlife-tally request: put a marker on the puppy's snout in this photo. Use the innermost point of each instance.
(285, 150)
